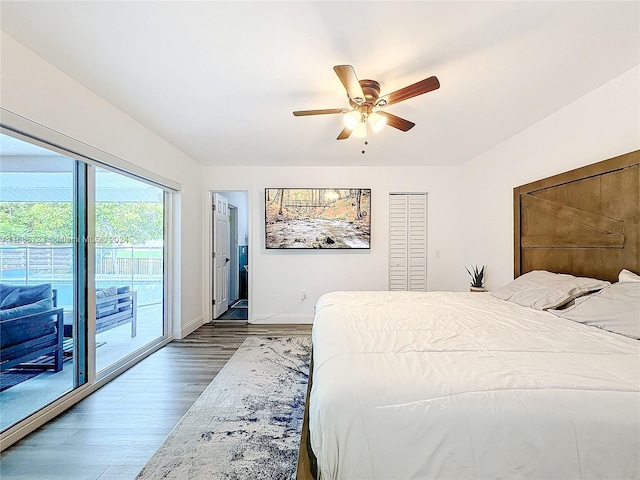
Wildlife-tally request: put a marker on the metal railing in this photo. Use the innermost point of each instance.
(139, 267)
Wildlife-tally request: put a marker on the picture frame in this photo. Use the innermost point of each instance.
(317, 218)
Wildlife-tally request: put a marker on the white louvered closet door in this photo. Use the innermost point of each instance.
(408, 242)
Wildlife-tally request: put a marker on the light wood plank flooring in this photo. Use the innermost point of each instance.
(112, 433)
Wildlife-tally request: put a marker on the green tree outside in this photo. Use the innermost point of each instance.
(52, 223)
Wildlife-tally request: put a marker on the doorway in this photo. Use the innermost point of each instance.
(230, 256)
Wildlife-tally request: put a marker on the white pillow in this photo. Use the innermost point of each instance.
(541, 290)
(627, 276)
(615, 309)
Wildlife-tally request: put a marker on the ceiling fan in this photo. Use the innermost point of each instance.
(366, 103)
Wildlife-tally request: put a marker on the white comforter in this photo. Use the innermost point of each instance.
(466, 386)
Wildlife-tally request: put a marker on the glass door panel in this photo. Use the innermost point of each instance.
(129, 252)
(37, 279)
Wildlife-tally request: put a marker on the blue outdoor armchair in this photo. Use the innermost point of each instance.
(31, 327)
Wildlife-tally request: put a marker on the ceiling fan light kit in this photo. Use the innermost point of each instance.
(366, 104)
(376, 121)
(360, 131)
(352, 119)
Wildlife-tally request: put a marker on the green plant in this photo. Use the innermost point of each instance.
(477, 276)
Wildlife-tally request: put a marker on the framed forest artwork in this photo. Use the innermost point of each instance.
(317, 218)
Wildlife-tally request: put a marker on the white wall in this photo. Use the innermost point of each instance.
(603, 124)
(470, 207)
(42, 94)
(277, 277)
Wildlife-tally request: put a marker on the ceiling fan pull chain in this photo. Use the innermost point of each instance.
(365, 143)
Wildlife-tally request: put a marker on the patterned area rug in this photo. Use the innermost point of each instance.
(247, 422)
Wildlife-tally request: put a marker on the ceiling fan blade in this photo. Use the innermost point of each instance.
(418, 88)
(302, 113)
(397, 122)
(347, 76)
(345, 133)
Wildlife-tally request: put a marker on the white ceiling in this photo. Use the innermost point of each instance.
(219, 80)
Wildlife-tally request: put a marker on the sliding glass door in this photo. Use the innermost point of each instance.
(82, 258)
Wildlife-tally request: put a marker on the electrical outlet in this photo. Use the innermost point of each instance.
(303, 295)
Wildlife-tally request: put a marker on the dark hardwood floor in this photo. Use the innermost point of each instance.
(112, 433)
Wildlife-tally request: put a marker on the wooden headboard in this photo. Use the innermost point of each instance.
(584, 222)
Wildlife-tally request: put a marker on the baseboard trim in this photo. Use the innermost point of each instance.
(189, 327)
(293, 319)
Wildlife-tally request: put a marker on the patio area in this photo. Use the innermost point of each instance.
(22, 399)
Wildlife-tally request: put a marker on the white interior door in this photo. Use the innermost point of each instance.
(221, 257)
(408, 242)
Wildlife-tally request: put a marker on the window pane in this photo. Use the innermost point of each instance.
(37, 304)
(129, 247)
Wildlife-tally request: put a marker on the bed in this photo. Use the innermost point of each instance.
(538, 379)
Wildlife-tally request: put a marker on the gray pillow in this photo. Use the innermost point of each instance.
(615, 309)
(628, 276)
(26, 294)
(6, 289)
(14, 333)
(106, 308)
(29, 309)
(541, 290)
